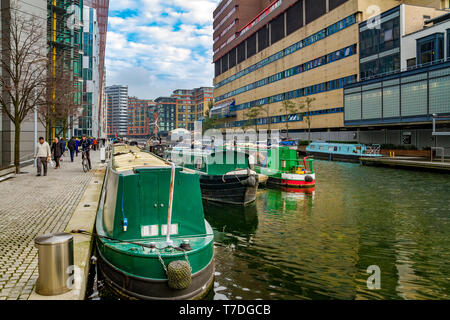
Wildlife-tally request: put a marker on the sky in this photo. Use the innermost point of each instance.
(158, 46)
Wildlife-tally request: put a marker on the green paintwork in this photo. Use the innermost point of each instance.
(145, 203)
(214, 163)
(281, 160)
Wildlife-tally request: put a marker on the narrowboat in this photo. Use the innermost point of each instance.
(152, 239)
(225, 175)
(285, 169)
(342, 151)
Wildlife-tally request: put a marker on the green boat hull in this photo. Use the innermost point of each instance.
(133, 260)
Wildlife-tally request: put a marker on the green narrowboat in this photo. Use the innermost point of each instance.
(225, 176)
(153, 241)
(285, 169)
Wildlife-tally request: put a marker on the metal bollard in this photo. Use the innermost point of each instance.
(103, 154)
(56, 269)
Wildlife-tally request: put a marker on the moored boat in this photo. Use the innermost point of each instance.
(225, 175)
(285, 169)
(342, 151)
(153, 241)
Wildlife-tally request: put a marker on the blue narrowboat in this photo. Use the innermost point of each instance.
(342, 151)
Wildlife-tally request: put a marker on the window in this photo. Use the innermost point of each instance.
(277, 28)
(430, 49)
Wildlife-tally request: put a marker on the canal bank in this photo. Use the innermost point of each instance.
(83, 218)
(31, 206)
(408, 163)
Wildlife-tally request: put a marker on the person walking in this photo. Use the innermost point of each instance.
(63, 146)
(77, 142)
(57, 152)
(42, 155)
(72, 145)
(95, 144)
(86, 146)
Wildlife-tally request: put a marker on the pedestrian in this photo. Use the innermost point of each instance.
(72, 145)
(86, 146)
(42, 155)
(95, 144)
(63, 145)
(57, 152)
(77, 141)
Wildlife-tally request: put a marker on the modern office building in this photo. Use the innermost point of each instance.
(101, 8)
(295, 49)
(88, 122)
(396, 106)
(164, 115)
(64, 37)
(139, 116)
(117, 110)
(191, 106)
(30, 8)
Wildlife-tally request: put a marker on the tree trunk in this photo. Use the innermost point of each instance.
(17, 146)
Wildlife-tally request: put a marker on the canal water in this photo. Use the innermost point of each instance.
(319, 244)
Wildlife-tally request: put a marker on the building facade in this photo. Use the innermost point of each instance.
(89, 121)
(31, 8)
(164, 115)
(298, 49)
(117, 110)
(139, 116)
(101, 7)
(397, 107)
(191, 106)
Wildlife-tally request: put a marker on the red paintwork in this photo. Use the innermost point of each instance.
(298, 183)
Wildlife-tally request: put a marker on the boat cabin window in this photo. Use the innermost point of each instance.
(330, 148)
(198, 163)
(335, 149)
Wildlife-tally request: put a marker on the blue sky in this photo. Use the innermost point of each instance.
(157, 46)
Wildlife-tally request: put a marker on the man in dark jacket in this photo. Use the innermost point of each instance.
(72, 147)
(86, 146)
(57, 152)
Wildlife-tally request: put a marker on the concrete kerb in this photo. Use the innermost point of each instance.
(82, 218)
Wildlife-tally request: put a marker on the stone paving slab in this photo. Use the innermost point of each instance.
(32, 206)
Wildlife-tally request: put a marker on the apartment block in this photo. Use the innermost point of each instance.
(139, 117)
(191, 106)
(117, 110)
(164, 115)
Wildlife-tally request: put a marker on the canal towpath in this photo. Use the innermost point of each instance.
(31, 206)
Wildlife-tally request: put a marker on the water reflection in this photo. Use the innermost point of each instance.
(318, 245)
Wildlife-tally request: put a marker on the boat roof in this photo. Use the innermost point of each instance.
(127, 157)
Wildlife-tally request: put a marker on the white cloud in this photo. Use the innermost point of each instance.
(157, 46)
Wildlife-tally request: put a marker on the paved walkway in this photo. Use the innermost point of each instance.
(31, 206)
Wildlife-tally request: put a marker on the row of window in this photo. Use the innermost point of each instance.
(314, 89)
(338, 26)
(334, 56)
(280, 118)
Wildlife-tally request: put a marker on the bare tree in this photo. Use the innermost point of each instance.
(307, 105)
(290, 107)
(253, 114)
(62, 103)
(23, 64)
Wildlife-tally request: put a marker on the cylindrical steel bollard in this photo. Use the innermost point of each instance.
(56, 269)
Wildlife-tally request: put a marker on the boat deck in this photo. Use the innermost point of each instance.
(129, 157)
(408, 164)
